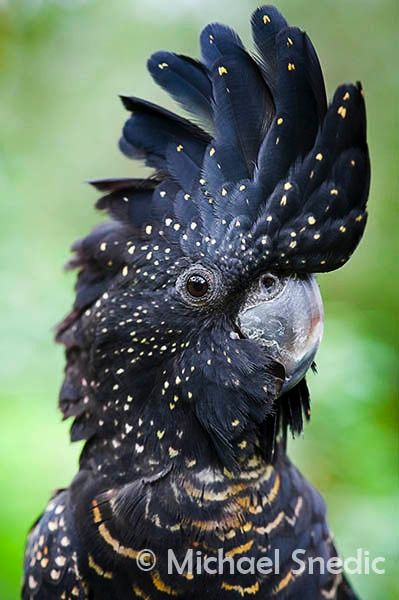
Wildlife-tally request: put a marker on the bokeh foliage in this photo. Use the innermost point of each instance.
(62, 64)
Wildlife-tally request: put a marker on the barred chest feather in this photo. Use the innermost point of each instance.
(268, 511)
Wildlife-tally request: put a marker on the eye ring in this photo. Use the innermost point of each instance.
(198, 285)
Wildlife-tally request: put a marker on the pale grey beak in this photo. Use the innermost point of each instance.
(284, 315)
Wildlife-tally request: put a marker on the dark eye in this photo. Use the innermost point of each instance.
(197, 285)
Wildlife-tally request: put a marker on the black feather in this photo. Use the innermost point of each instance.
(243, 110)
(187, 81)
(299, 108)
(216, 41)
(151, 129)
(266, 23)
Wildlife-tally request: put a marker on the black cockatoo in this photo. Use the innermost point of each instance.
(196, 318)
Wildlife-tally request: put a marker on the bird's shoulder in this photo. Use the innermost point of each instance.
(51, 555)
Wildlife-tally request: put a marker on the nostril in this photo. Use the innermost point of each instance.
(268, 282)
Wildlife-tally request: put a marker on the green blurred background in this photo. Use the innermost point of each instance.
(62, 65)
